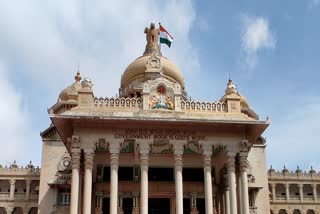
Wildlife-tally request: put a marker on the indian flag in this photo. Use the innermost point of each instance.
(165, 37)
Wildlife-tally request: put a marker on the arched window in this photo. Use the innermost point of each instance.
(310, 212)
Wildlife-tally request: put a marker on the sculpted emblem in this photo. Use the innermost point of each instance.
(64, 165)
(160, 100)
(152, 36)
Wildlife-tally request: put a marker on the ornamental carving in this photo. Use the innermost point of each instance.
(154, 62)
(64, 165)
(160, 100)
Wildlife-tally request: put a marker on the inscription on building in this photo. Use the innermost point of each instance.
(158, 134)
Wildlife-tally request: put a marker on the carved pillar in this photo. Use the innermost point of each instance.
(114, 149)
(178, 164)
(287, 192)
(75, 163)
(12, 188)
(273, 186)
(28, 184)
(314, 186)
(88, 164)
(193, 199)
(120, 209)
(207, 153)
(135, 209)
(300, 186)
(144, 149)
(98, 209)
(232, 182)
(244, 182)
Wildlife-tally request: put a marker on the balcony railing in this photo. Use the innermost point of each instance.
(18, 196)
(4, 195)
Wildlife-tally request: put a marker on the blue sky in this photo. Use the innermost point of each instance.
(270, 49)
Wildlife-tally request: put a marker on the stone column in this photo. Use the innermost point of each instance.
(273, 186)
(9, 210)
(178, 151)
(12, 188)
(28, 184)
(144, 149)
(75, 163)
(314, 186)
(207, 153)
(300, 186)
(244, 182)
(227, 201)
(287, 192)
(87, 192)
(232, 182)
(114, 149)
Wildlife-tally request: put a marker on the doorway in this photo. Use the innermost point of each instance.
(159, 205)
(106, 206)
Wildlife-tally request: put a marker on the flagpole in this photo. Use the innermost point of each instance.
(159, 38)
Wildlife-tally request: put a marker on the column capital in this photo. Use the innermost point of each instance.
(74, 141)
(243, 161)
(314, 186)
(206, 149)
(273, 185)
(75, 158)
(12, 181)
(178, 147)
(88, 158)
(114, 147)
(245, 146)
(300, 186)
(231, 161)
(144, 147)
(286, 185)
(28, 181)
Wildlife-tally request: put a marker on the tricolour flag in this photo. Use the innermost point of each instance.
(165, 37)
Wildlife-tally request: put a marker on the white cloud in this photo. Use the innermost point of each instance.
(256, 36)
(47, 40)
(103, 37)
(295, 135)
(17, 139)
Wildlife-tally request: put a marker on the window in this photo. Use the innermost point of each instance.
(125, 173)
(193, 174)
(160, 174)
(64, 198)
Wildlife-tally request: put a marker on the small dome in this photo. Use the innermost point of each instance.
(71, 92)
(232, 90)
(138, 67)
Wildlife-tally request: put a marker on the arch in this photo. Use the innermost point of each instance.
(296, 211)
(311, 212)
(17, 210)
(33, 210)
(283, 211)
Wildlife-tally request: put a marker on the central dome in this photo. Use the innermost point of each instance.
(138, 69)
(150, 66)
